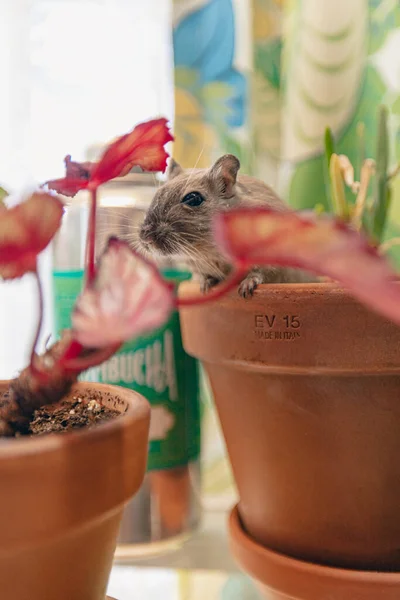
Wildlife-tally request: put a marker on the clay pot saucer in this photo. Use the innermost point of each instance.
(279, 577)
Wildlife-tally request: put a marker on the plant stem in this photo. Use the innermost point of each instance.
(72, 351)
(91, 240)
(81, 363)
(70, 358)
(39, 290)
(74, 348)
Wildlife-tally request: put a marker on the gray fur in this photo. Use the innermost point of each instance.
(185, 233)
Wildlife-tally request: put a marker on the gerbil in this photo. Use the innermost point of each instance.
(179, 221)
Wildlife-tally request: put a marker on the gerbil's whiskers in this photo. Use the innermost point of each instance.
(157, 182)
(197, 257)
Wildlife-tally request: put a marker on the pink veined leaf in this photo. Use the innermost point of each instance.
(128, 298)
(26, 230)
(142, 147)
(322, 245)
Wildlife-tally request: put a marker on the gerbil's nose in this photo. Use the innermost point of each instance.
(154, 234)
(145, 233)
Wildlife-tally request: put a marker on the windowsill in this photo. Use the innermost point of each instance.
(200, 568)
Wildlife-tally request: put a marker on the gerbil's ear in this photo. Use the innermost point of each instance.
(173, 169)
(224, 173)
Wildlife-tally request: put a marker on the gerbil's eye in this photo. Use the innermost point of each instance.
(193, 199)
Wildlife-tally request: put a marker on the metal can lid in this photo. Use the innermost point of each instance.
(176, 275)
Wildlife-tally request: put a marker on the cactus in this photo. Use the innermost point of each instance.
(382, 192)
(329, 150)
(367, 214)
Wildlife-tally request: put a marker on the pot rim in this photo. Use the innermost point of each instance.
(333, 336)
(23, 446)
(268, 289)
(325, 291)
(54, 484)
(283, 573)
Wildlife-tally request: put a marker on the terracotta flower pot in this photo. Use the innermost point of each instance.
(281, 578)
(307, 386)
(62, 498)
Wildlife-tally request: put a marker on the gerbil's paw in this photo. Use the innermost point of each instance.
(248, 286)
(209, 282)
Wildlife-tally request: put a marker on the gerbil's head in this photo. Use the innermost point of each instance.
(179, 220)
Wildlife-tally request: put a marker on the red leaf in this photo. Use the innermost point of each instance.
(318, 244)
(67, 187)
(25, 231)
(142, 147)
(127, 299)
(76, 170)
(76, 178)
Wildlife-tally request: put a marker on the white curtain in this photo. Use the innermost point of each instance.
(73, 73)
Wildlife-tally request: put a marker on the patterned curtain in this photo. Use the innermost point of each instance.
(212, 45)
(262, 79)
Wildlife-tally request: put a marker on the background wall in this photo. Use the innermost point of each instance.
(73, 73)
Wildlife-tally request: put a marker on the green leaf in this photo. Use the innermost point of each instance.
(338, 194)
(382, 149)
(382, 210)
(267, 60)
(382, 192)
(329, 150)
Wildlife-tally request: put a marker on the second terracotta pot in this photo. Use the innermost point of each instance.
(62, 498)
(307, 386)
